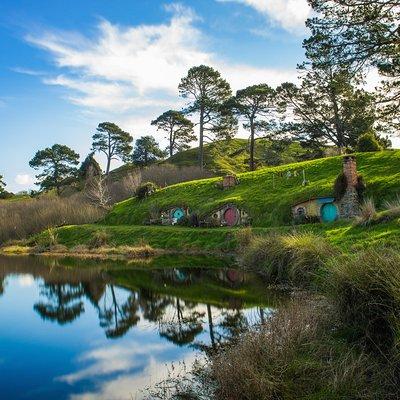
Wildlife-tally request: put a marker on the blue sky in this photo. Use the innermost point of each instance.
(65, 66)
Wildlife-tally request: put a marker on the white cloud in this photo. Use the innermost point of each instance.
(24, 179)
(289, 14)
(130, 74)
(26, 280)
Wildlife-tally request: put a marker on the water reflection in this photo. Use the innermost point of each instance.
(153, 315)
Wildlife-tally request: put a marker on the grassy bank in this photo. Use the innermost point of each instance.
(267, 194)
(344, 236)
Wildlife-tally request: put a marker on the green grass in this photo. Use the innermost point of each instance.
(267, 194)
(342, 235)
(223, 157)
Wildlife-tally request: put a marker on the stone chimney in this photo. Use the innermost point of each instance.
(350, 204)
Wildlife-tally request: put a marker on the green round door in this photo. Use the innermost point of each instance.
(178, 214)
(329, 212)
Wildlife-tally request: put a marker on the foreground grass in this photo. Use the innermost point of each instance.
(342, 235)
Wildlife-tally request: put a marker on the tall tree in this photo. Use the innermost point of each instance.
(89, 167)
(253, 105)
(359, 34)
(208, 93)
(146, 151)
(58, 163)
(178, 128)
(113, 142)
(2, 184)
(327, 108)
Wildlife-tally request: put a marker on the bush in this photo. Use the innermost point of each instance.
(368, 142)
(293, 356)
(367, 213)
(366, 290)
(99, 238)
(145, 190)
(293, 259)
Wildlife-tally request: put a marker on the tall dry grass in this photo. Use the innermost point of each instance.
(295, 259)
(293, 356)
(21, 219)
(167, 174)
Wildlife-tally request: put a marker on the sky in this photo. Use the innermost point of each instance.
(66, 66)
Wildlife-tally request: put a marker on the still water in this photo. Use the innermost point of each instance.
(94, 330)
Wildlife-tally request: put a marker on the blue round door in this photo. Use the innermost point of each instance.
(329, 212)
(178, 214)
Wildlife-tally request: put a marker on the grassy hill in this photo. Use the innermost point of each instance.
(227, 156)
(267, 194)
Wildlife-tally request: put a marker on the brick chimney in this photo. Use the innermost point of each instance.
(349, 205)
(350, 171)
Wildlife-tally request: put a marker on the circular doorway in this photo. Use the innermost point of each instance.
(329, 212)
(231, 216)
(178, 214)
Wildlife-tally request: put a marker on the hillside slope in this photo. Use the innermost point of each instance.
(226, 156)
(267, 194)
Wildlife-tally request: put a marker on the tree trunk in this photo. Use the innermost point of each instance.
(252, 146)
(108, 165)
(171, 143)
(201, 138)
(211, 326)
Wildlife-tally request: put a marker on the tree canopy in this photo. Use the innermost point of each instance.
(113, 142)
(146, 151)
(208, 93)
(178, 128)
(57, 163)
(326, 108)
(254, 105)
(359, 34)
(2, 184)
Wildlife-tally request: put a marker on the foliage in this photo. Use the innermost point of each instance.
(295, 259)
(366, 289)
(178, 128)
(146, 151)
(253, 105)
(367, 213)
(99, 238)
(113, 142)
(89, 167)
(146, 190)
(268, 194)
(2, 184)
(368, 142)
(231, 156)
(359, 34)
(58, 163)
(295, 356)
(208, 93)
(327, 108)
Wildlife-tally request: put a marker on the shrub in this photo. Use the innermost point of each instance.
(368, 142)
(99, 238)
(294, 259)
(367, 213)
(366, 290)
(293, 356)
(145, 190)
(244, 237)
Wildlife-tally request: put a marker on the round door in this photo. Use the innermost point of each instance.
(178, 214)
(230, 216)
(329, 212)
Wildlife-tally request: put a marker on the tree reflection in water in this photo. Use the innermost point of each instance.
(63, 304)
(184, 303)
(116, 316)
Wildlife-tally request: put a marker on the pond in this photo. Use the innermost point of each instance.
(79, 330)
